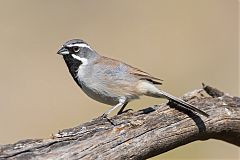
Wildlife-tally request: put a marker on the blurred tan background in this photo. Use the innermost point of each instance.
(184, 42)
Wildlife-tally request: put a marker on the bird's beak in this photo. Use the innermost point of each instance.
(63, 51)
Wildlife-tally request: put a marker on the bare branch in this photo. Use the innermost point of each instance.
(141, 134)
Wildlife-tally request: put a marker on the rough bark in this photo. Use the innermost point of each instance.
(141, 134)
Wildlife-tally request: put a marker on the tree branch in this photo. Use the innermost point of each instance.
(141, 134)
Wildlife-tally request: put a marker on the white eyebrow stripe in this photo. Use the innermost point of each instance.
(81, 45)
(83, 60)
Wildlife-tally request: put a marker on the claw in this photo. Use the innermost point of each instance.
(124, 111)
(104, 116)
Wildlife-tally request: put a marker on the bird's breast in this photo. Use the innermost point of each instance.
(97, 93)
(105, 86)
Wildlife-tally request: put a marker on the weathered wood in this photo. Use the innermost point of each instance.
(141, 134)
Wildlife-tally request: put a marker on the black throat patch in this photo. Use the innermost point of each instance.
(73, 66)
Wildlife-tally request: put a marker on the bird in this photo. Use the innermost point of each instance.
(111, 81)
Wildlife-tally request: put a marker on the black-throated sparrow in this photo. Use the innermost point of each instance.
(111, 81)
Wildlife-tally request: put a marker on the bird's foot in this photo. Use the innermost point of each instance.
(126, 111)
(105, 116)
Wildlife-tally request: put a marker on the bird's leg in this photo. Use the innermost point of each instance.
(122, 103)
(122, 109)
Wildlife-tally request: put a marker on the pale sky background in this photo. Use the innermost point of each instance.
(184, 42)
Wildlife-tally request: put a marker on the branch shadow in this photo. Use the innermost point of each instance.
(147, 110)
(197, 119)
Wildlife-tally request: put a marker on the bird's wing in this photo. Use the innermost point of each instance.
(144, 75)
(112, 67)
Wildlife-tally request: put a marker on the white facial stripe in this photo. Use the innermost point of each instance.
(83, 60)
(81, 45)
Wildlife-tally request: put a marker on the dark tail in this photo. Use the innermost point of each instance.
(184, 104)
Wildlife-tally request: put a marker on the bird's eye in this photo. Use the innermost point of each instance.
(76, 48)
